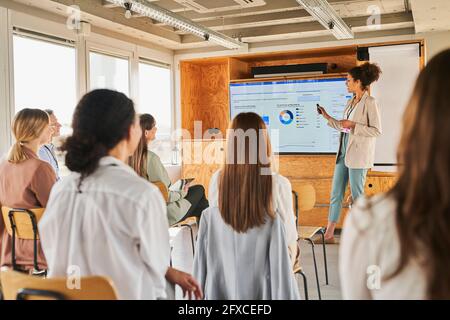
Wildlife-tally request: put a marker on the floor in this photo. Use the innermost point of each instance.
(182, 258)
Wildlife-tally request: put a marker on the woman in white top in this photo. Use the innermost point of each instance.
(396, 246)
(281, 201)
(104, 219)
(242, 252)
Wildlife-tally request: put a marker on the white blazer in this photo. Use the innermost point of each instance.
(360, 152)
(370, 251)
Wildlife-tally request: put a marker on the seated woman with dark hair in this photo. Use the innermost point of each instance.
(104, 219)
(187, 202)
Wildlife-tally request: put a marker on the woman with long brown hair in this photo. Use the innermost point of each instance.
(242, 246)
(187, 202)
(395, 246)
(25, 182)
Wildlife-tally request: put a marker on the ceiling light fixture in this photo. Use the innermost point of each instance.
(128, 5)
(150, 10)
(328, 17)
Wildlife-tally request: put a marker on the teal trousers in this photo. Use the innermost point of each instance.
(342, 175)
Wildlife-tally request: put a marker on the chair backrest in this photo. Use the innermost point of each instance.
(17, 285)
(162, 187)
(304, 198)
(22, 219)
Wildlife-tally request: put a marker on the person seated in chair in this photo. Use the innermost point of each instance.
(187, 202)
(25, 182)
(243, 242)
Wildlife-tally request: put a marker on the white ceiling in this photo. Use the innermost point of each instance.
(257, 21)
(431, 15)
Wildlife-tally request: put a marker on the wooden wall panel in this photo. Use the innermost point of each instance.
(318, 217)
(239, 69)
(190, 99)
(204, 96)
(379, 184)
(307, 166)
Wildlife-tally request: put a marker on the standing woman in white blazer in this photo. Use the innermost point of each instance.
(359, 128)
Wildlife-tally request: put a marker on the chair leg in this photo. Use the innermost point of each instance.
(192, 237)
(305, 284)
(322, 233)
(13, 242)
(315, 268)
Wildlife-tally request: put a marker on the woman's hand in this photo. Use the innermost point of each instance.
(186, 187)
(187, 283)
(347, 124)
(324, 113)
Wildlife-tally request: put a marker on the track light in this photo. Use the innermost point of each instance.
(128, 6)
(150, 10)
(327, 16)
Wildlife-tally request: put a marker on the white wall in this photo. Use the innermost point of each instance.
(436, 42)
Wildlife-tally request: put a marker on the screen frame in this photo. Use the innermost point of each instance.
(287, 78)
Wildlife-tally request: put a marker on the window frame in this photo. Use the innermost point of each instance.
(95, 42)
(168, 67)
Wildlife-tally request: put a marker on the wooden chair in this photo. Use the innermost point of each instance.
(19, 286)
(189, 222)
(162, 187)
(22, 223)
(304, 200)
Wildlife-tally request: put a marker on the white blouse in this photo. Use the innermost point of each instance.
(283, 203)
(116, 227)
(370, 251)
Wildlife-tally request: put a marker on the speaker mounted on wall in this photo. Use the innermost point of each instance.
(290, 70)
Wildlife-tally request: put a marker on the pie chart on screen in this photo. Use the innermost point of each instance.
(286, 117)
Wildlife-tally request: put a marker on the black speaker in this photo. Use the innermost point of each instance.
(291, 69)
(363, 54)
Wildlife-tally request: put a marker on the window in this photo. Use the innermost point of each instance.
(155, 98)
(45, 77)
(109, 72)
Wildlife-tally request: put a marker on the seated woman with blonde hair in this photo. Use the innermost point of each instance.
(25, 182)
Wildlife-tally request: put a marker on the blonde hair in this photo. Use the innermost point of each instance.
(28, 124)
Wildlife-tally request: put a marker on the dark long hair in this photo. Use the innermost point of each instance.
(101, 120)
(138, 161)
(422, 192)
(367, 73)
(245, 190)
